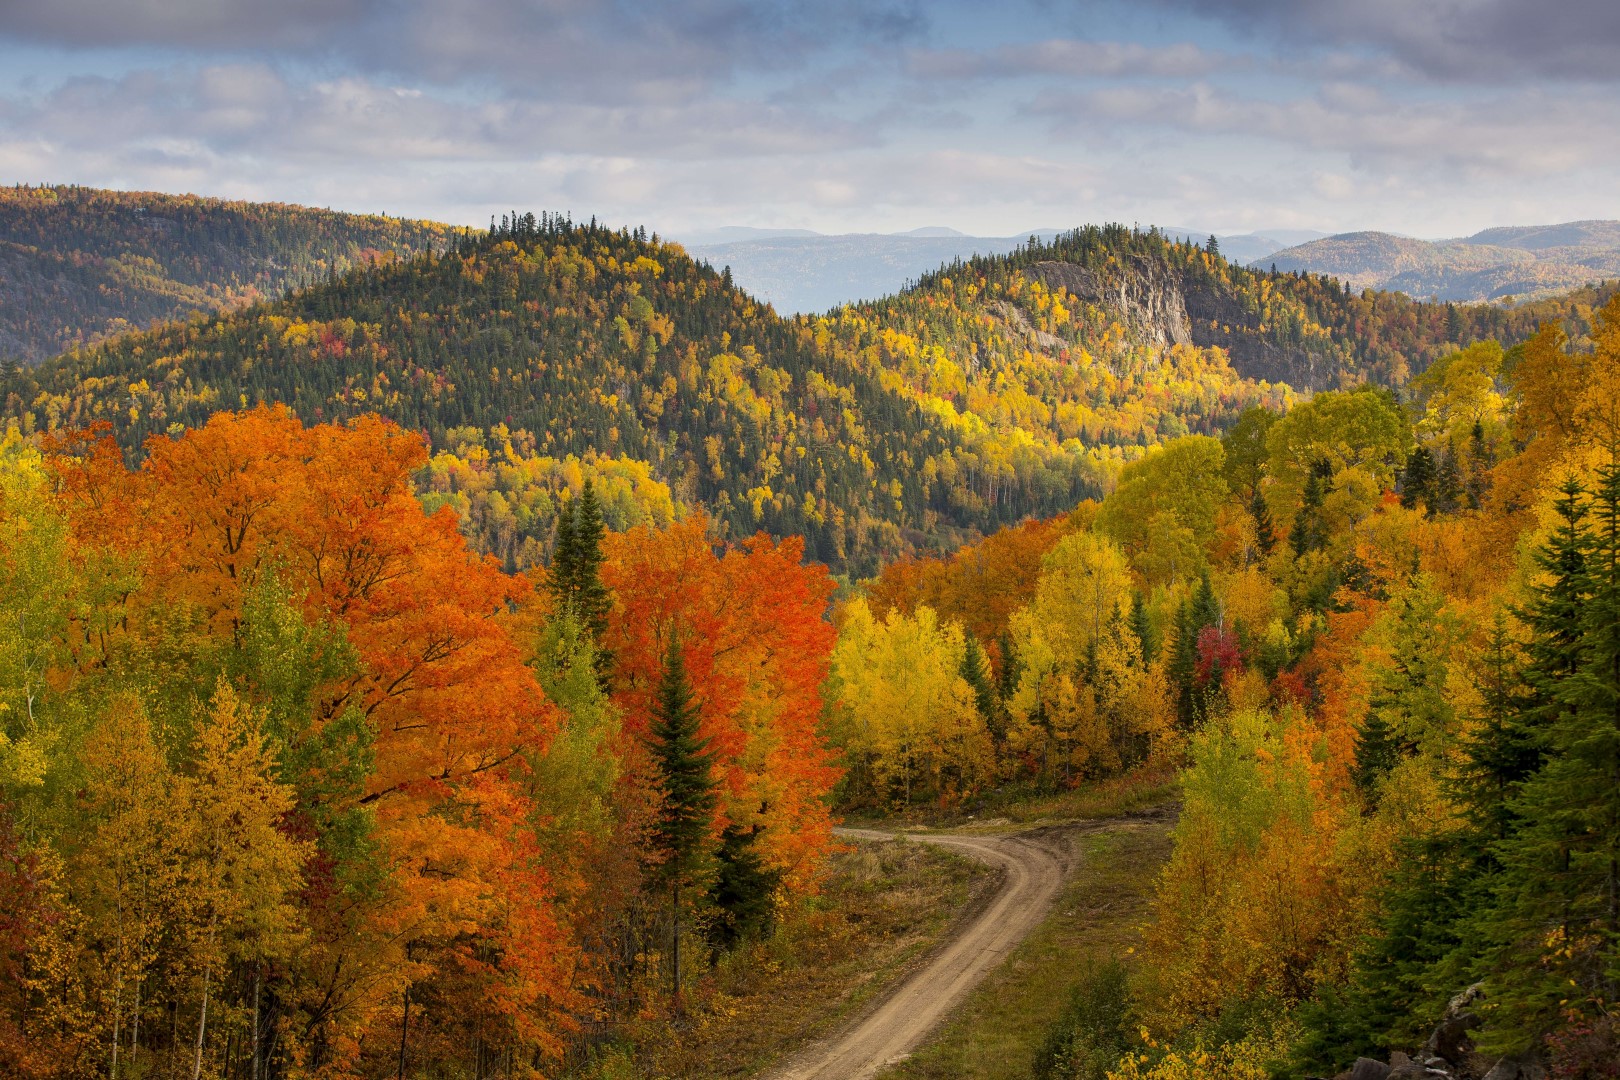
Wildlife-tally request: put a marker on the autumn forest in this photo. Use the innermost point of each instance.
(441, 658)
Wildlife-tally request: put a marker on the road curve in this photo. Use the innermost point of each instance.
(893, 1028)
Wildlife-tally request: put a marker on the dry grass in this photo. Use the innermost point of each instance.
(884, 906)
(995, 1034)
(1139, 789)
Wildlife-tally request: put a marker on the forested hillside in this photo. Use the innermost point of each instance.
(548, 351)
(1378, 640)
(79, 264)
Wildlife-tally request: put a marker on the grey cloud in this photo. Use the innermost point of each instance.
(597, 49)
(1525, 134)
(1461, 40)
(253, 110)
(1069, 57)
(180, 24)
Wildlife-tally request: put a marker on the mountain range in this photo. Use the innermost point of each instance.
(1500, 265)
(994, 388)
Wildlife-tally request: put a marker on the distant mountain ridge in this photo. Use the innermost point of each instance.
(1497, 264)
(78, 264)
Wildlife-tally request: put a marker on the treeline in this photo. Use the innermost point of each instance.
(79, 264)
(1379, 632)
(292, 784)
(1307, 330)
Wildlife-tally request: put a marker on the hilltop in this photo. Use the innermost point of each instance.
(1501, 264)
(799, 271)
(80, 264)
(547, 351)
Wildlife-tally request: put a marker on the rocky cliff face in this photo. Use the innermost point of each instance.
(1157, 305)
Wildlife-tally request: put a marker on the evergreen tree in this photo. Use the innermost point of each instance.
(976, 672)
(1265, 536)
(1555, 926)
(1417, 478)
(1448, 484)
(1408, 708)
(1200, 610)
(1480, 460)
(1011, 669)
(1142, 627)
(1501, 753)
(576, 571)
(684, 764)
(744, 889)
(1306, 535)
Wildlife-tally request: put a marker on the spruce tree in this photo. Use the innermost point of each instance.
(1555, 925)
(744, 889)
(1501, 753)
(1448, 484)
(685, 775)
(976, 672)
(1265, 535)
(576, 572)
(1306, 535)
(591, 600)
(1417, 478)
(1142, 627)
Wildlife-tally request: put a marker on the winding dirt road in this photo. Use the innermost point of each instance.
(893, 1028)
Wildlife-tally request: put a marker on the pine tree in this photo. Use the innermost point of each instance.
(1480, 459)
(575, 581)
(1448, 484)
(1265, 535)
(1500, 754)
(1306, 534)
(1142, 627)
(744, 890)
(1417, 478)
(1555, 926)
(591, 599)
(976, 672)
(685, 774)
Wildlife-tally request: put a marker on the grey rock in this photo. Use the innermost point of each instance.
(1368, 1069)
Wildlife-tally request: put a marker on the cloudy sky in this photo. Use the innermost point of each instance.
(1432, 118)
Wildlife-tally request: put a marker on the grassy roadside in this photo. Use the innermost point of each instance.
(994, 1035)
(883, 906)
(1140, 789)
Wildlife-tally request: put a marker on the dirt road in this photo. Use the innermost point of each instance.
(893, 1028)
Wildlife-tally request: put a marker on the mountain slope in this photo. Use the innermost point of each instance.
(79, 264)
(1496, 264)
(554, 341)
(548, 352)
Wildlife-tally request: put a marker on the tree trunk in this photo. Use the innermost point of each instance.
(258, 978)
(202, 1027)
(404, 1027)
(675, 911)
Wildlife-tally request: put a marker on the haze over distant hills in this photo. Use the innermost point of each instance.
(1521, 261)
(798, 270)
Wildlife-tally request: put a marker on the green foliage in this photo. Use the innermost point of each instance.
(685, 771)
(744, 890)
(1554, 924)
(1091, 1035)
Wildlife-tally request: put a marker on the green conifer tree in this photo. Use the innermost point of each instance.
(976, 671)
(1265, 533)
(1555, 925)
(1417, 478)
(684, 766)
(744, 891)
(1142, 627)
